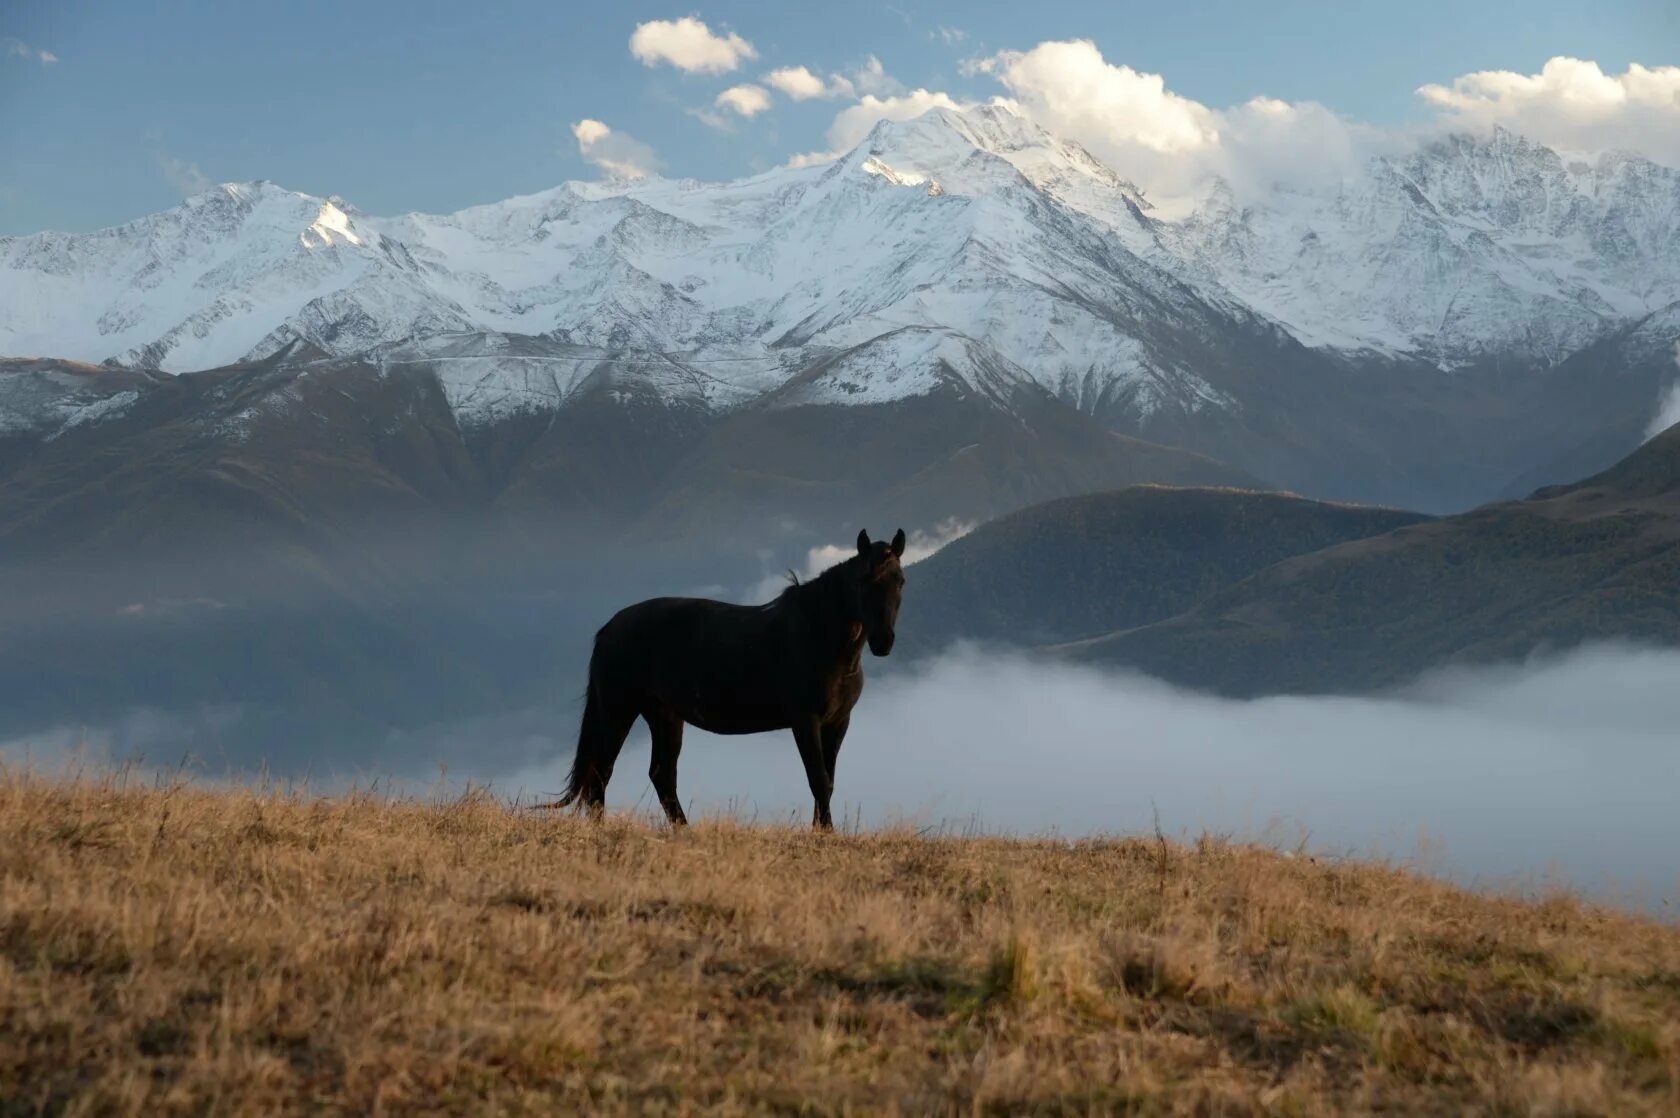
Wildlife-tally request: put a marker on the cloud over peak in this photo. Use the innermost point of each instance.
(1162, 139)
(1571, 103)
(1070, 87)
(689, 45)
(615, 153)
(183, 175)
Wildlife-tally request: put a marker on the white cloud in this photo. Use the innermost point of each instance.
(17, 48)
(614, 152)
(589, 131)
(950, 36)
(801, 85)
(1168, 142)
(1668, 406)
(711, 119)
(1266, 140)
(811, 158)
(1070, 88)
(744, 100)
(879, 95)
(184, 176)
(919, 544)
(872, 77)
(1573, 104)
(689, 45)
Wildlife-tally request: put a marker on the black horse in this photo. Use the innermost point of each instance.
(793, 663)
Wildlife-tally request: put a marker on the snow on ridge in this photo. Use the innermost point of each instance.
(975, 225)
(46, 397)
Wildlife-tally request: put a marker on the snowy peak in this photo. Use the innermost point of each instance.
(1470, 248)
(331, 226)
(963, 243)
(987, 148)
(261, 208)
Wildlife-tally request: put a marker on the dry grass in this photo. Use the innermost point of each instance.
(183, 950)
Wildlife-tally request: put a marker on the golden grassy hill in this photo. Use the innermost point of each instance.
(192, 951)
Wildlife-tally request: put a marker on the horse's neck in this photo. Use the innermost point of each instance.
(838, 638)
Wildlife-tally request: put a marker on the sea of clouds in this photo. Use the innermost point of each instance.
(1564, 770)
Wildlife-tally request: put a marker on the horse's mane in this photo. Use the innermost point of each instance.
(813, 589)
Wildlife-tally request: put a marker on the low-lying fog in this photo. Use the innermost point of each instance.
(1564, 770)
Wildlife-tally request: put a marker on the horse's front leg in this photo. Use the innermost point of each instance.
(807, 734)
(832, 737)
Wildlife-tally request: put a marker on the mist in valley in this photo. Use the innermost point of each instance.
(1668, 405)
(1556, 772)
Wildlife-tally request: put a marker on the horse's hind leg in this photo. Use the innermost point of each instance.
(606, 734)
(667, 731)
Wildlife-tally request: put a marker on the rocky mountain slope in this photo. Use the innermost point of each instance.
(323, 458)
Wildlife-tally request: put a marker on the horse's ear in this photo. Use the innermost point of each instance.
(863, 541)
(898, 543)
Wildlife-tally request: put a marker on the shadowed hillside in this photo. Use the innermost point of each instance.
(329, 548)
(1082, 566)
(1597, 560)
(175, 950)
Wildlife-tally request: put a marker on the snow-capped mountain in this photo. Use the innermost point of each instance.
(1466, 249)
(977, 222)
(967, 252)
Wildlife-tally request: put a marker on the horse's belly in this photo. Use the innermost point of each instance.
(737, 720)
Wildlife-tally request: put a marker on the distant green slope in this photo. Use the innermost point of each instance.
(1597, 560)
(1082, 566)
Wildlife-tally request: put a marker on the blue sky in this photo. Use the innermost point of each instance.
(112, 110)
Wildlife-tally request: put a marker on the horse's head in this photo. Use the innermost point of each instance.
(882, 588)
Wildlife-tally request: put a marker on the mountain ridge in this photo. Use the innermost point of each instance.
(1342, 341)
(1624, 207)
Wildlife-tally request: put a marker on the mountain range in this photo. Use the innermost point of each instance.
(354, 477)
(1429, 332)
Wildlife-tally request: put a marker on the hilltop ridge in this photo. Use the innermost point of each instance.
(175, 948)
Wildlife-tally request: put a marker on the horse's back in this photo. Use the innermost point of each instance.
(682, 632)
(715, 664)
(665, 617)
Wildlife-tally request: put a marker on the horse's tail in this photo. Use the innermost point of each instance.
(593, 742)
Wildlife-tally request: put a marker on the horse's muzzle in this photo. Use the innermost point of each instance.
(880, 645)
